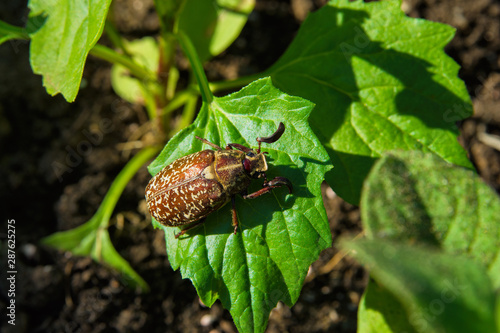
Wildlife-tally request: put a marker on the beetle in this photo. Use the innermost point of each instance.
(193, 186)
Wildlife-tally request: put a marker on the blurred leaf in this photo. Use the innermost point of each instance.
(380, 81)
(497, 311)
(380, 312)
(440, 292)
(213, 25)
(417, 197)
(58, 49)
(144, 52)
(280, 235)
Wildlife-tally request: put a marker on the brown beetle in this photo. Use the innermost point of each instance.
(192, 187)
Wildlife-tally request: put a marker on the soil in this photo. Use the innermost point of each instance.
(52, 181)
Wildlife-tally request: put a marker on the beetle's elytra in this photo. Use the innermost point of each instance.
(196, 185)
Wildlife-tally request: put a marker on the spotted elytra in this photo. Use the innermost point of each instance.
(193, 186)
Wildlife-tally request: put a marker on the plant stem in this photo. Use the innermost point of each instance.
(16, 32)
(180, 98)
(187, 114)
(149, 101)
(114, 57)
(199, 73)
(115, 37)
(115, 191)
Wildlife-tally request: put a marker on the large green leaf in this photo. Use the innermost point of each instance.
(280, 234)
(419, 197)
(60, 47)
(380, 81)
(440, 292)
(212, 25)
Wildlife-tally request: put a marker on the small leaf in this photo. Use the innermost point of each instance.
(60, 47)
(380, 81)
(79, 240)
(92, 238)
(280, 235)
(144, 52)
(419, 197)
(109, 255)
(213, 25)
(440, 292)
(92, 241)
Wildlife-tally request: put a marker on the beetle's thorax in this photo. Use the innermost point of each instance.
(229, 168)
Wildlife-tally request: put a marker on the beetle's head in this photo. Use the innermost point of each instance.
(255, 164)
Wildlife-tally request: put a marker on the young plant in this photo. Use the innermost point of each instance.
(359, 79)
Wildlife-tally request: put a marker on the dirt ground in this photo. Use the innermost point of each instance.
(57, 292)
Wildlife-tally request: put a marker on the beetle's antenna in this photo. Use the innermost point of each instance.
(273, 137)
(208, 143)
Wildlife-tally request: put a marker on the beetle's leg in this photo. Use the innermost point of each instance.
(208, 143)
(189, 227)
(268, 186)
(239, 147)
(233, 211)
(273, 137)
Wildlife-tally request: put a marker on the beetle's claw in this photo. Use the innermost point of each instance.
(279, 181)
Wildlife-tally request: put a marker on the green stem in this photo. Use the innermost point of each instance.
(173, 78)
(180, 98)
(187, 114)
(16, 32)
(115, 191)
(115, 37)
(149, 101)
(114, 57)
(199, 73)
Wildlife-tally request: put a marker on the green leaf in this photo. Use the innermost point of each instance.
(146, 54)
(380, 312)
(440, 292)
(412, 196)
(380, 81)
(60, 47)
(213, 25)
(92, 238)
(280, 235)
(418, 198)
(497, 311)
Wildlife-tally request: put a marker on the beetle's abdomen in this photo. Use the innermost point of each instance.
(188, 202)
(185, 191)
(178, 171)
